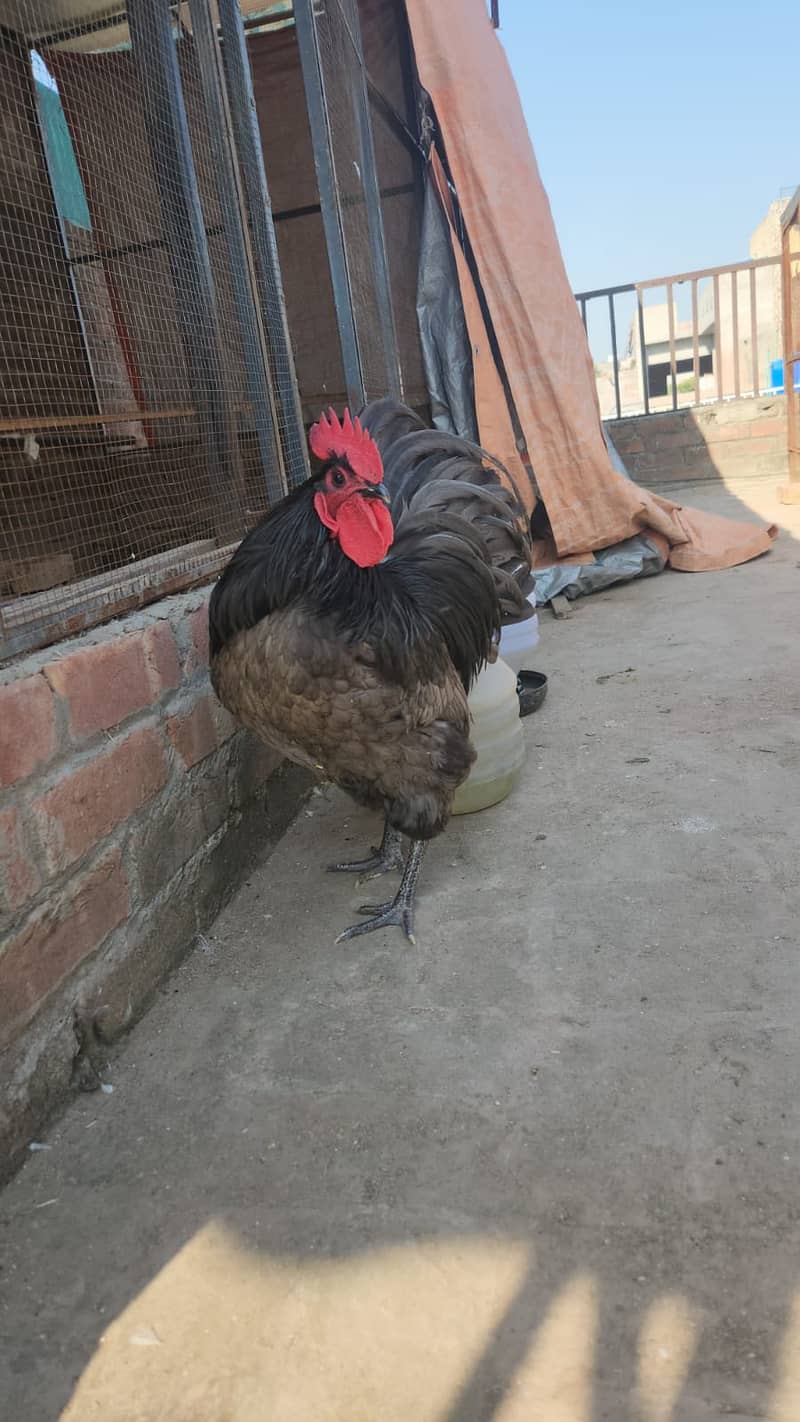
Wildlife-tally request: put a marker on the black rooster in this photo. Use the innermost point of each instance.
(350, 624)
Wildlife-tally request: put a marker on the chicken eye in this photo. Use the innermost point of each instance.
(338, 479)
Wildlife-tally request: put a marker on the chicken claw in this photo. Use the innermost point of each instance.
(400, 912)
(383, 916)
(382, 861)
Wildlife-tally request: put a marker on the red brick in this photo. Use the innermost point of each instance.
(163, 658)
(102, 684)
(199, 651)
(664, 473)
(194, 735)
(651, 462)
(19, 877)
(55, 941)
(676, 439)
(666, 424)
(742, 453)
(723, 434)
(27, 728)
(629, 444)
(624, 430)
(767, 426)
(699, 463)
(86, 805)
(734, 412)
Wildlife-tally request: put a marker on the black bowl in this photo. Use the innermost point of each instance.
(531, 690)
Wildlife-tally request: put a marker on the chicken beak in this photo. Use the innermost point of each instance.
(377, 491)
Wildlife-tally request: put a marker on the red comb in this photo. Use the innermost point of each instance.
(330, 439)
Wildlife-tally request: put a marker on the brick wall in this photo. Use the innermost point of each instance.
(739, 439)
(130, 808)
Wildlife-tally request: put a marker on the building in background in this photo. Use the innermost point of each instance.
(739, 334)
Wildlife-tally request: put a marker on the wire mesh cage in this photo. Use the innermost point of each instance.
(148, 412)
(400, 170)
(341, 63)
(336, 83)
(150, 407)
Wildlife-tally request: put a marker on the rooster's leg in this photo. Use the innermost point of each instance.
(381, 861)
(400, 911)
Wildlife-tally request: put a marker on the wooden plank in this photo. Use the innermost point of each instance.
(36, 423)
(70, 422)
(43, 618)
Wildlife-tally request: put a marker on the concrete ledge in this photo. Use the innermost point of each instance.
(743, 438)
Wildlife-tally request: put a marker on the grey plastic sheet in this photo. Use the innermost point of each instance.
(446, 353)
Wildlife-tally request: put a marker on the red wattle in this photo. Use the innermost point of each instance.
(363, 527)
(366, 531)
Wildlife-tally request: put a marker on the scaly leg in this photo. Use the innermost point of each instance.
(400, 912)
(381, 861)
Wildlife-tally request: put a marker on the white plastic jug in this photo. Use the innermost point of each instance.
(519, 640)
(497, 736)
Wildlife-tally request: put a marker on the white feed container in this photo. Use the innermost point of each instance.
(496, 733)
(518, 642)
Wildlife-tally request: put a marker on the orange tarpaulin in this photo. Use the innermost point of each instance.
(536, 324)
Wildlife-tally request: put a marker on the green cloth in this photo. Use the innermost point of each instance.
(64, 174)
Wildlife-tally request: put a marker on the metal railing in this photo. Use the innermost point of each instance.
(735, 323)
(790, 284)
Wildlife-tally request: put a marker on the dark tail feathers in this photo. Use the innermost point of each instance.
(429, 472)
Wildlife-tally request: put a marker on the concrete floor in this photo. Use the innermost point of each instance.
(545, 1165)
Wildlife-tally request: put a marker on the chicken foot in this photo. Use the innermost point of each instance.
(389, 856)
(400, 912)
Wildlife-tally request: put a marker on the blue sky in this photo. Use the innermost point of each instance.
(662, 131)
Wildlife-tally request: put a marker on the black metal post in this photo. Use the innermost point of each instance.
(230, 199)
(248, 143)
(156, 58)
(308, 43)
(372, 198)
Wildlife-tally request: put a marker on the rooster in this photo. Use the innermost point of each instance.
(350, 624)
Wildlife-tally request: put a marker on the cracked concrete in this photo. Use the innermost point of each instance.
(543, 1166)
